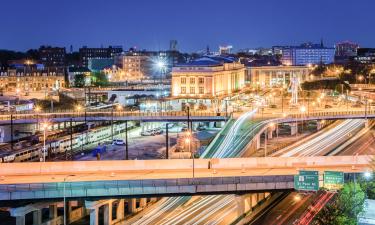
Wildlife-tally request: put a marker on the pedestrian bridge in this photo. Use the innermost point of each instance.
(104, 179)
(109, 115)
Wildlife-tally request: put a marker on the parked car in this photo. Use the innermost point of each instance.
(157, 131)
(147, 133)
(118, 142)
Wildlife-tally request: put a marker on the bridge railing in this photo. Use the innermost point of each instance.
(105, 113)
(295, 115)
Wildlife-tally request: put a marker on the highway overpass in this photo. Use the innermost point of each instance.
(108, 115)
(96, 179)
(172, 116)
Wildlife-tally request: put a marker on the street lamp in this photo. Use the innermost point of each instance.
(37, 109)
(188, 142)
(302, 109)
(367, 175)
(64, 195)
(44, 126)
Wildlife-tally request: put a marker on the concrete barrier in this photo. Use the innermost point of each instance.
(177, 164)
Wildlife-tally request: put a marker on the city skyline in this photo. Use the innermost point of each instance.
(193, 24)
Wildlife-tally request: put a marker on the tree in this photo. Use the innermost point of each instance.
(99, 79)
(79, 80)
(344, 208)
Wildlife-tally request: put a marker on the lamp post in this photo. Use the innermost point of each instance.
(45, 126)
(302, 110)
(64, 195)
(188, 142)
(37, 110)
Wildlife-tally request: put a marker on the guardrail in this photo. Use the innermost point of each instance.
(105, 113)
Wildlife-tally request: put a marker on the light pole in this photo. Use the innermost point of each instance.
(188, 142)
(302, 110)
(37, 110)
(45, 126)
(64, 195)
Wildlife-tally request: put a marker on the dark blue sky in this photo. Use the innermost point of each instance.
(194, 23)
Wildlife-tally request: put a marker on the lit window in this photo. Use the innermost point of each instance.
(192, 80)
(183, 80)
(183, 90)
(192, 90)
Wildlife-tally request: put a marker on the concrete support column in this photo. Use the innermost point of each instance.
(270, 133)
(37, 217)
(293, 128)
(107, 214)
(142, 202)
(240, 205)
(52, 211)
(254, 200)
(257, 141)
(20, 220)
(120, 210)
(260, 196)
(211, 124)
(143, 127)
(94, 216)
(132, 203)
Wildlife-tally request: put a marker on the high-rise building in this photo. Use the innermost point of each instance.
(97, 53)
(307, 54)
(346, 49)
(52, 56)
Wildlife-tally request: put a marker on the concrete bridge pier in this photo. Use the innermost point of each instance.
(243, 204)
(257, 142)
(270, 133)
(293, 128)
(21, 212)
(107, 206)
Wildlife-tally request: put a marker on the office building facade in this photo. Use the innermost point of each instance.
(276, 76)
(85, 53)
(207, 77)
(307, 54)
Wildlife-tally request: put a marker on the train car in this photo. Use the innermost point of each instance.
(63, 144)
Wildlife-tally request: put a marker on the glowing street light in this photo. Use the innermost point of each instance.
(367, 175)
(302, 109)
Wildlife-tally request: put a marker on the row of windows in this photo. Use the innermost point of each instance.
(192, 80)
(192, 90)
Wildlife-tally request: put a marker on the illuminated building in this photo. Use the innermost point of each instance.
(25, 81)
(307, 53)
(207, 77)
(277, 76)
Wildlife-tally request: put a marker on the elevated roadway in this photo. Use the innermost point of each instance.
(108, 115)
(163, 177)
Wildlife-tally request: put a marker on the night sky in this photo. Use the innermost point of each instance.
(150, 24)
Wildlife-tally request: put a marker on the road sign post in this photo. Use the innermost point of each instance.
(307, 181)
(333, 180)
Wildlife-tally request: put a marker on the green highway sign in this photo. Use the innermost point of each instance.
(308, 172)
(333, 179)
(307, 181)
